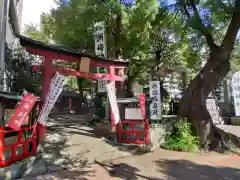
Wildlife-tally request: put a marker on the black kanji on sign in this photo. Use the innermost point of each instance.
(237, 87)
(100, 47)
(155, 105)
(155, 112)
(236, 80)
(238, 104)
(98, 28)
(154, 99)
(155, 92)
(154, 86)
(99, 37)
(237, 96)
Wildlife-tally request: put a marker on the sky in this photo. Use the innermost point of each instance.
(32, 9)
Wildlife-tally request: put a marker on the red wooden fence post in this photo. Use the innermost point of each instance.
(1, 145)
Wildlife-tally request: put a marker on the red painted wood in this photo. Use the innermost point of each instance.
(14, 147)
(49, 70)
(70, 58)
(47, 75)
(72, 72)
(112, 73)
(137, 133)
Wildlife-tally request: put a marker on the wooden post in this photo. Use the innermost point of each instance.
(47, 75)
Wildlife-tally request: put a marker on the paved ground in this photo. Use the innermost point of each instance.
(231, 129)
(72, 143)
(74, 146)
(159, 165)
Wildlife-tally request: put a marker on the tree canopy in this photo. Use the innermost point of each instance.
(150, 35)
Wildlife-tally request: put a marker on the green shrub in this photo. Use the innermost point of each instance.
(181, 138)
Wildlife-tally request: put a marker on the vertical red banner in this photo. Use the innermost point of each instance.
(21, 113)
(142, 101)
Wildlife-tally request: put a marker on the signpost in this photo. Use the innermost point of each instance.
(100, 50)
(111, 91)
(155, 96)
(236, 92)
(213, 110)
(53, 94)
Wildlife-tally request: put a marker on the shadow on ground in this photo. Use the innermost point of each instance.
(60, 129)
(171, 170)
(188, 170)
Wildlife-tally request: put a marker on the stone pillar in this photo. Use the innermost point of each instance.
(227, 95)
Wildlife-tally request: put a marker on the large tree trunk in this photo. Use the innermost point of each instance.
(193, 104)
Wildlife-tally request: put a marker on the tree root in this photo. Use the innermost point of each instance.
(223, 141)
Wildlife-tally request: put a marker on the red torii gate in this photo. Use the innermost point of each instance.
(116, 68)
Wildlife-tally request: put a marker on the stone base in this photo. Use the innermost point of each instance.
(235, 120)
(158, 131)
(156, 135)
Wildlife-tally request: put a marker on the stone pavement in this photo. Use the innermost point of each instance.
(72, 143)
(230, 129)
(159, 165)
(74, 150)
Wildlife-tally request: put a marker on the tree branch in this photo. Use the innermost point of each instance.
(208, 36)
(232, 31)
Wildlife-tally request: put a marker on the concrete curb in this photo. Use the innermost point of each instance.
(27, 167)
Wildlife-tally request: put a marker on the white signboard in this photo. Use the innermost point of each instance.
(100, 50)
(53, 94)
(111, 91)
(236, 92)
(155, 96)
(102, 82)
(133, 113)
(213, 110)
(99, 36)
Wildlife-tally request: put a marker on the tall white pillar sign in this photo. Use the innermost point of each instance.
(111, 91)
(56, 87)
(100, 50)
(236, 92)
(155, 96)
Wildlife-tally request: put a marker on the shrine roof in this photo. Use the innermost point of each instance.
(27, 42)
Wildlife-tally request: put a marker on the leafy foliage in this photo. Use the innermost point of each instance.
(181, 138)
(151, 38)
(32, 32)
(19, 74)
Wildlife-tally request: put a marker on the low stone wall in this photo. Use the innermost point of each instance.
(235, 120)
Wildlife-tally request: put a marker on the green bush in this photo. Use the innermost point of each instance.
(181, 138)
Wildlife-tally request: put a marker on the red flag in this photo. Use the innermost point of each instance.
(142, 101)
(21, 113)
